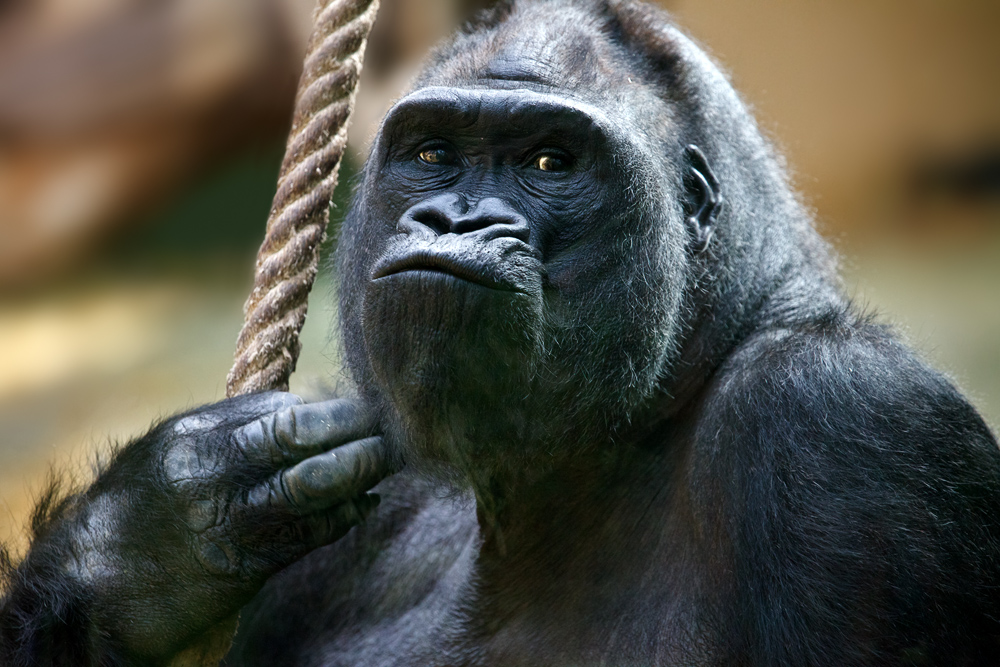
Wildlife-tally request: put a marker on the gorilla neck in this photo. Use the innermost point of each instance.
(521, 484)
(542, 541)
(515, 510)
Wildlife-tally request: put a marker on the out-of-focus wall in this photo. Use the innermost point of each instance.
(109, 107)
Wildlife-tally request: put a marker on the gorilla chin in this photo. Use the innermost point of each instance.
(449, 348)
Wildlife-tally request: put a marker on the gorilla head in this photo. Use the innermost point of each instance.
(539, 260)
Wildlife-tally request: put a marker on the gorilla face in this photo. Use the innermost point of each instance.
(512, 270)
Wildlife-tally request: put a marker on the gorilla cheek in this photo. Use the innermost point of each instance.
(446, 351)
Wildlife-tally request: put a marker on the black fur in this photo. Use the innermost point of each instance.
(640, 423)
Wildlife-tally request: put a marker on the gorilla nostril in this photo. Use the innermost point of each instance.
(437, 214)
(495, 218)
(448, 214)
(493, 228)
(434, 218)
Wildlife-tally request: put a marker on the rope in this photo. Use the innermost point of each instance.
(268, 345)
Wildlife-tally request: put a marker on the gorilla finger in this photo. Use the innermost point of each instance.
(240, 409)
(323, 528)
(326, 479)
(304, 430)
(265, 402)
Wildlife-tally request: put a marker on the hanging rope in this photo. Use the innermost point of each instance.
(268, 345)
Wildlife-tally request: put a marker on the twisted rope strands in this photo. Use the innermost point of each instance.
(268, 345)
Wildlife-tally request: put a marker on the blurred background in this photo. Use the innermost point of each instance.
(140, 141)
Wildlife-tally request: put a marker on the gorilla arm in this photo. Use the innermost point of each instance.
(184, 526)
(863, 490)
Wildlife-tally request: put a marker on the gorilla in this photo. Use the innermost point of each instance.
(606, 387)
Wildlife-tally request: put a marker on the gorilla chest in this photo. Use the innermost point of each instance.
(578, 613)
(601, 631)
(620, 627)
(580, 630)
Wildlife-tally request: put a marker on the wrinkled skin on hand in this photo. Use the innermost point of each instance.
(188, 522)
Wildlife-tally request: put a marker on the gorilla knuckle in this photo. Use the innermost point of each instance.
(182, 464)
(197, 423)
(285, 427)
(280, 400)
(202, 515)
(311, 479)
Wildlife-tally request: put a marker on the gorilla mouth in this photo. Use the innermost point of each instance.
(432, 262)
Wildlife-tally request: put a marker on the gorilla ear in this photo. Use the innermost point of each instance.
(704, 198)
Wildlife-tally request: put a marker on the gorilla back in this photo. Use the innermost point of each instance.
(639, 422)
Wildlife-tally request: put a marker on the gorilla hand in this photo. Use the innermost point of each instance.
(189, 521)
(318, 465)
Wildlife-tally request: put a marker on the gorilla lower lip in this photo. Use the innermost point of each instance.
(435, 263)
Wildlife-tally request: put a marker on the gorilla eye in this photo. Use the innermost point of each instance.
(550, 162)
(436, 156)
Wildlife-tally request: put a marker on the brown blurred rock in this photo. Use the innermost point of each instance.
(106, 106)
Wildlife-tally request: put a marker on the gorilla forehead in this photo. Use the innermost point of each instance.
(555, 42)
(571, 49)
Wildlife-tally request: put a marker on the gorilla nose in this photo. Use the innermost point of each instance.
(452, 214)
